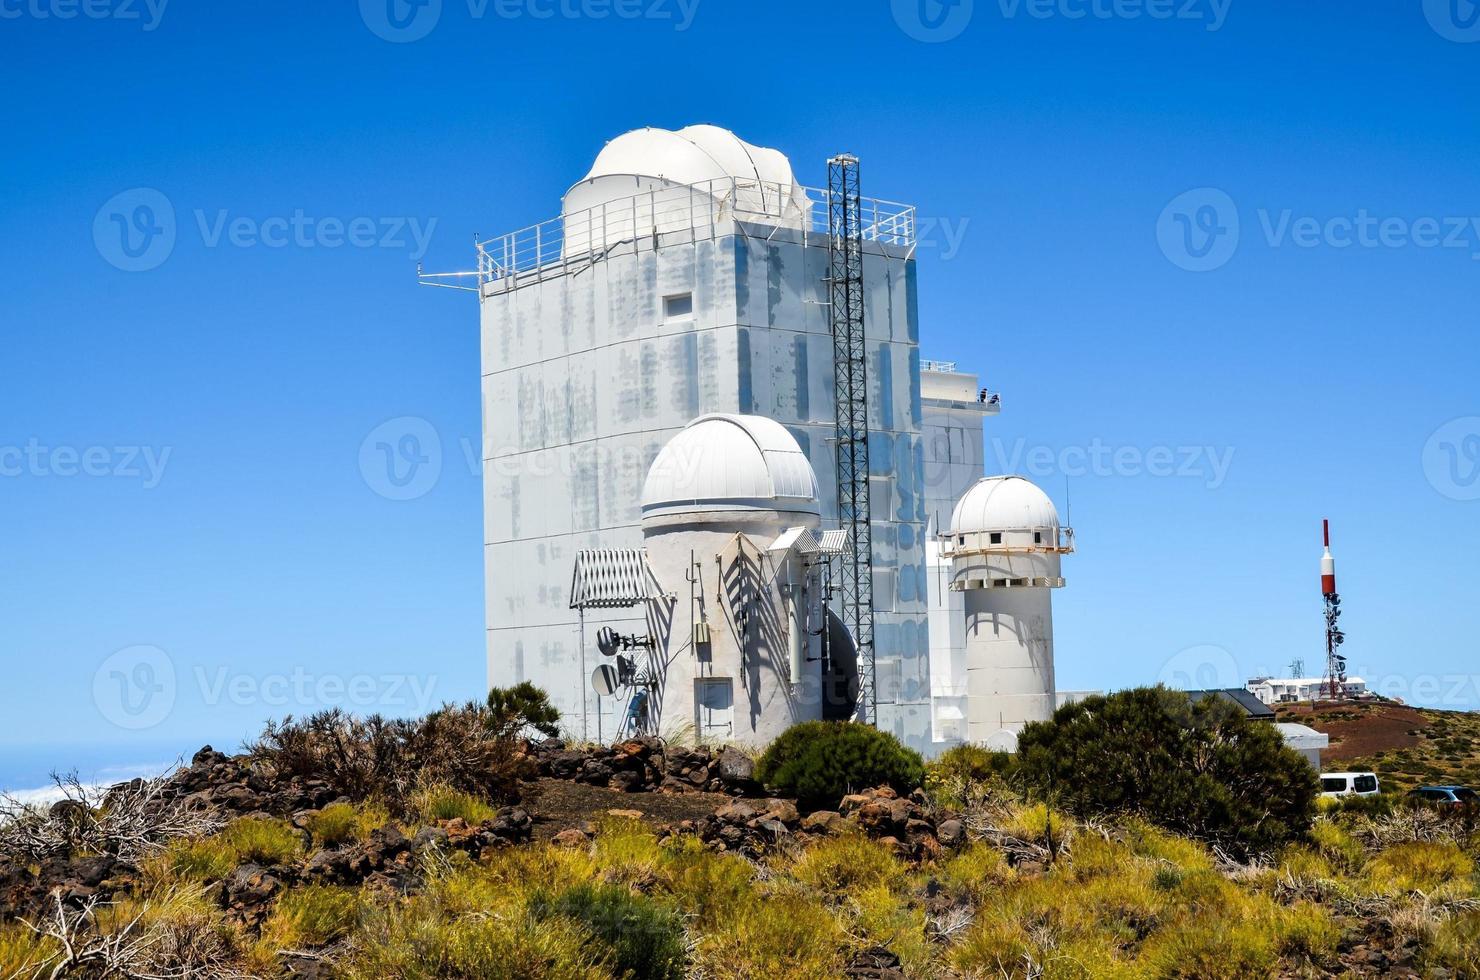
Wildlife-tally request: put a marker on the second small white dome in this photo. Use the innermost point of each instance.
(1004, 504)
(727, 463)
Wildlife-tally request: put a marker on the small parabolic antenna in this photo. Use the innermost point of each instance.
(608, 641)
(604, 680)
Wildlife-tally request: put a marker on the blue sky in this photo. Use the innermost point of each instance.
(181, 445)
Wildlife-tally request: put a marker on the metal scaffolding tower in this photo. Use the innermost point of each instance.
(850, 399)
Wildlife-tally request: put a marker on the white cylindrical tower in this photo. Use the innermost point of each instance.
(740, 647)
(1004, 544)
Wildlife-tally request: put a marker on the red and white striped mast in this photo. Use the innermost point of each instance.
(1335, 662)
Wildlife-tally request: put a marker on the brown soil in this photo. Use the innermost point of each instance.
(1360, 730)
(558, 804)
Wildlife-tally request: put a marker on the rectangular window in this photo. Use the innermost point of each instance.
(996, 537)
(714, 697)
(678, 306)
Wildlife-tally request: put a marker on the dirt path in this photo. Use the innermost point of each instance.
(559, 804)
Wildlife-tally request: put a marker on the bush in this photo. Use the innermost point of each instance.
(341, 823)
(248, 839)
(313, 916)
(822, 761)
(1418, 866)
(973, 763)
(1456, 945)
(435, 803)
(471, 747)
(1201, 768)
(847, 863)
(23, 953)
(513, 709)
(964, 774)
(646, 940)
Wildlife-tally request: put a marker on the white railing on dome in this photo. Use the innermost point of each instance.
(707, 208)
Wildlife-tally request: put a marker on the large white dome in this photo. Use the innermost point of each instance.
(1004, 504)
(729, 463)
(657, 181)
(690, 155)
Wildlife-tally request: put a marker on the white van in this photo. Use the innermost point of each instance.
(1349, 784)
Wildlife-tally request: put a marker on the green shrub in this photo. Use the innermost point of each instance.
(847, 863)
(781, 937)
(513, 709)
(23, 953)
(974, 763)
(312, 916)
(441, 802)
(246, 840)
(341, 823)
(822, 761)
(646, 940)
(1418, 866)
(1456, 945)
(1201, 768)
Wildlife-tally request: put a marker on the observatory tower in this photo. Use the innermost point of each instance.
(728, 514)
(688, 275)
(1004, 544)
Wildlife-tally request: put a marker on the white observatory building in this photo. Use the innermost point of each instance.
(664, 402)
(1004, 545)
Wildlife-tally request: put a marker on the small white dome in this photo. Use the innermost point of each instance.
(1003, 503)
(730, 463)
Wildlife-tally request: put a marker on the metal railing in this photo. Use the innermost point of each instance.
(708, 209)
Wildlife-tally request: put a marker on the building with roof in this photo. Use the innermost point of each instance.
(1289, 690)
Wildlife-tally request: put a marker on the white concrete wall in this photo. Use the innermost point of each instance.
(738, 592)
(952, 436)
(1009, 659)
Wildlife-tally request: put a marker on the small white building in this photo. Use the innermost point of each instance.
(1288, 690)
(1305, 740)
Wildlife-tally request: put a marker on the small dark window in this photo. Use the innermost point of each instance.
(1333, 784)
(961, 539)
(1037, 537)
(1366, 784)
(996, 537)
(676, 307)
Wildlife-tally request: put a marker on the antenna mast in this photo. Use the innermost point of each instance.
(850, 400)
(1335, 662)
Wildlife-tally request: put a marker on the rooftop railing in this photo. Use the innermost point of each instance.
(708, 209)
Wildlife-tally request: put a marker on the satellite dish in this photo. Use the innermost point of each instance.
(608, 641)
(604, 680)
